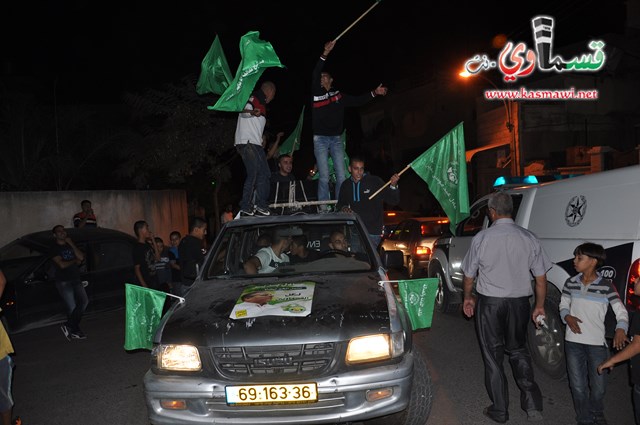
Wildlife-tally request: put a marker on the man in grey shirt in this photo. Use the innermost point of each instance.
(503, 258)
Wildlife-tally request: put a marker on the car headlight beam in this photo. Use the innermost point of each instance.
(179, 357)
(371, 348)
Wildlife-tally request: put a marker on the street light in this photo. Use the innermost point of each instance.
(514, 145)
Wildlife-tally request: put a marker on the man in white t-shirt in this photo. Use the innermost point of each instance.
(268, 259)
(248, 141)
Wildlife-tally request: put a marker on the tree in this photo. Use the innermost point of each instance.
(177, 138)
(47, 146)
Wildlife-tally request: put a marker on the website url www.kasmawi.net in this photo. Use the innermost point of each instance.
(525, 94)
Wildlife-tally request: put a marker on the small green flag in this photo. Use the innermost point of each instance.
(418, 297)
(293, 141)
(215, 75)
(142, 316)
(443, 166)
(332, 171)
(257, 55)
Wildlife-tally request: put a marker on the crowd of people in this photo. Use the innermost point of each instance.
(497, 267)
(328, 109)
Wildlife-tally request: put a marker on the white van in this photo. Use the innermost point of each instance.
(603, 208)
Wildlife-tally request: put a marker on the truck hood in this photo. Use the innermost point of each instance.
(342, 307)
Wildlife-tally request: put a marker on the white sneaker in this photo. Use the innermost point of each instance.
(262, 211)
(65, 331)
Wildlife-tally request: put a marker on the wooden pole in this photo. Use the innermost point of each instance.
(387, 183)
(356, 21)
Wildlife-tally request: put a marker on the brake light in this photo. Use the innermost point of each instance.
(391, 214)
(423, 250)
(632, 302)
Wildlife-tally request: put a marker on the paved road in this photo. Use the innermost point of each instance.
(96, 382)
(454, 358)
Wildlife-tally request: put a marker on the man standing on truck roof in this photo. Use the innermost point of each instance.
(503, 257)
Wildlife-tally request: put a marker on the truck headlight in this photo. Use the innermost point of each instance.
(371, 348)
(178, 357)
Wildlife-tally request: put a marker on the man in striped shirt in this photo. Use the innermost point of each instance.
(585, 300)
(328, 122)
(86, 217)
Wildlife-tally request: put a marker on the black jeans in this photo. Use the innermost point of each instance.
(501, 325)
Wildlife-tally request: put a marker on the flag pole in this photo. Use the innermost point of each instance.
(175, 296)
(356, 21)
(389, 182)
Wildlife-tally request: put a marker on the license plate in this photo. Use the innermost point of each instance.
(272, 394)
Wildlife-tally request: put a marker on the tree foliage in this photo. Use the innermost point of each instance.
(176, 137)
(49, 146)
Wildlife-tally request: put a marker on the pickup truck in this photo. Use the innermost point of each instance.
(315, 340)
(603, 208)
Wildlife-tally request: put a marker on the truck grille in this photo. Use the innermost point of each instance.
(274, 360)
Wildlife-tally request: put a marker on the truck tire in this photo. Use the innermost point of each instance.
(419, 408)
(444, 299)
(547, 344)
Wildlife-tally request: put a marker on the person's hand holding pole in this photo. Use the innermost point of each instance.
(396, 176)
(328, 47)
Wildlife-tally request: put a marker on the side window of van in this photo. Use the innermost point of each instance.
(517, 200)
(480, 215)
(475, 222)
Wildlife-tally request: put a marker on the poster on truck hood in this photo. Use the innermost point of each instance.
(281, 299)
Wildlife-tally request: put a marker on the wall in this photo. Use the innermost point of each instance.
(27, 212)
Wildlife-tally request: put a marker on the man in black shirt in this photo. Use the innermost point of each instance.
(298, 251)
(281, 180)
(190, 253)
(66, 256)
(145, 255)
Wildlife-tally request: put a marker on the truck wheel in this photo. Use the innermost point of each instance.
(444, 303)
(547, 344)
(421, 393)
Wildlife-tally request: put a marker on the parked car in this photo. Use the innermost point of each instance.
(598, 208)
(328, 343)
(30, 298)
(415, 238)
(392, 218)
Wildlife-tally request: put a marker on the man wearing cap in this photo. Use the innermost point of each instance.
(268, 259)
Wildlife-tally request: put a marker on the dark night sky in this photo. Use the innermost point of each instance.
(98, 50)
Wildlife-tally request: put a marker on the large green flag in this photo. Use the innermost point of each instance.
(332, 171)
(443, 166)
(142, 316)
(419, 296)
(293, 142)
(215, 75)
(257, 55)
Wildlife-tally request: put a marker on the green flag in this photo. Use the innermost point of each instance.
(257, 55)
(215, 75)
(419, 296)
(332, 172)
(142, 316)
(443, 166)
(293, 142)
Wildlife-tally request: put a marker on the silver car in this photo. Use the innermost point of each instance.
(415, 238)
(323, 341)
